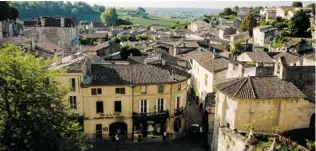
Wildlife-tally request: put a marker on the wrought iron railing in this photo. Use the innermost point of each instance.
(151, 115)
(179, 111)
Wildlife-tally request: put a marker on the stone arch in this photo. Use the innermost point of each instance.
(312, 120)
(118, 127)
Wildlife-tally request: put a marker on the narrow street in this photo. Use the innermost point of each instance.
(189, 142)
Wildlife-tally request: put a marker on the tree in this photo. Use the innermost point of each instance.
(237, 47)
(32, 116)
(227, 11)
(236, 8)
(299, 24)
(248, 23)
(206, 20)
(141, 9)
(312, 5)
(109, 17)
(74, 12)
(5, 10)
(14, 13)
(128, 50)
(297, 4)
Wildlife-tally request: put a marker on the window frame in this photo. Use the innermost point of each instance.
(144, 106)
(72, 84)
(119, 90)
(73, 102)
(160, 105)
(101, 102)
(120, 108)
(143, 89)
(161, 88)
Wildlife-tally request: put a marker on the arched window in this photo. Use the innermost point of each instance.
(312, 121)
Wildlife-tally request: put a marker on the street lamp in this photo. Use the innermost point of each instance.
(117, 138)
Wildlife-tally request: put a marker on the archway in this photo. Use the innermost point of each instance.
(312, 121)
(118, 127)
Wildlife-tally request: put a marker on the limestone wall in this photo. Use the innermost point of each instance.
(228, 141)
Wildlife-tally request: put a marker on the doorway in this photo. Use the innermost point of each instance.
(312, 121)
(98, 131)
(118, 128)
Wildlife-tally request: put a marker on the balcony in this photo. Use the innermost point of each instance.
(151, 116)
(179, 111)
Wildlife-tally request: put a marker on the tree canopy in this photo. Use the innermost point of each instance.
(128, 50)
(300, 23)
(29, 9)
(248, 23)
(312, 5)
(237, 47)
(7, 11)
(297, 4)
(109, 17)
(32, 115)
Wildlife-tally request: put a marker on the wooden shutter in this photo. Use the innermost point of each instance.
(180, 102)
(147, 101)
(164, 105)
(139, 106)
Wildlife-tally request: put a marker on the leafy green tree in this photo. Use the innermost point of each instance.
(109, 17)
(227, 11)
(312, 5)
(237, 47)
(14, 13)
(32, 116)
(74, 12)
(236, 8)
(128, 50)
(248, 23)
(300, 23)
(297, 4)
(122, 37)
(5, 10)
(141, 9)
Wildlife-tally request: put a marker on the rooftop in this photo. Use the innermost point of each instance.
(15, 40)
(289, 57)
(269, 87)
(97, 24)
(206, 60)
(95, 35)
(259, 57)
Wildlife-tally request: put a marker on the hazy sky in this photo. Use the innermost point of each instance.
(188, 3)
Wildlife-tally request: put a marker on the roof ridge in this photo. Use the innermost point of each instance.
(236, 80)
(252, 88)
(245, 80)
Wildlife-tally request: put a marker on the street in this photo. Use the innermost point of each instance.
(189, 142)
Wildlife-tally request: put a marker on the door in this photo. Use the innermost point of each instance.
(118, 128)
(98, 131)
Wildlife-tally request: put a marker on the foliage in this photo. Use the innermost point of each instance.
(116, 40)
(122, 38)
(310, 144)
(128, 50)
(297, 4)
(84, 22)
(109, 17)
(142, 37)
(227, 11)
(279, 41)
(98, 8)
(29, 9)
(236, 8)
(7, 11)
(248, 23)
(248, 126)
(237, 47)
(32, 116)
(300, 23)
(312, 5)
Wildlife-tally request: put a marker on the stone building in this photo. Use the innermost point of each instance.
(264, 34)
(309, 59)
(59, 31)
(102, 49)
(291, 60)
(262, 103)
(256, 58)
(196, 25)
(143, 96)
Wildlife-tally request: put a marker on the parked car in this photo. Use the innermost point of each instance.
(196, 128)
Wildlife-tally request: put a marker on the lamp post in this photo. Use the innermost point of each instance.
(117, 138)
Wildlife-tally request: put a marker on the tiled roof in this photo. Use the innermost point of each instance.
(289, 57)
(190, 44)
(95, 35)
(100, 46)
(259, 57)
(205, 59)
(310, 56)
(134, 74)
(259, 88)
(15, 40)
(48, 46)
(96, 24)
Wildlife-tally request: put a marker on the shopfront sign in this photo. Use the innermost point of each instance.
(108, 116)
(105, 128)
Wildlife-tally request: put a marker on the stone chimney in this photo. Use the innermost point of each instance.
(59, 57)
(62, 22)
(33, 43)
(280, 68)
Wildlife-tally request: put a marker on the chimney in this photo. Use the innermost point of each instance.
(172, 74)
(33, 43)
(62, 22)
(163, 62)
(183, 44)
(59, 57)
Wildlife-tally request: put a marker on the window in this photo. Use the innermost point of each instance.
(179, 86)
(100, 107)
(178, 102)
(143, 89)
(73, 102)
(143, 106)
(160, 105)
(72, 82)
(96, 91)
(177, 124)
(160, 89)
(120, 90)
(206, 79)
(117, 106)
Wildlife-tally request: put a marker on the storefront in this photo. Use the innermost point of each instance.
(150, 125)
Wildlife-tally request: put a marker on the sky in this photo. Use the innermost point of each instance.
(218, 4)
